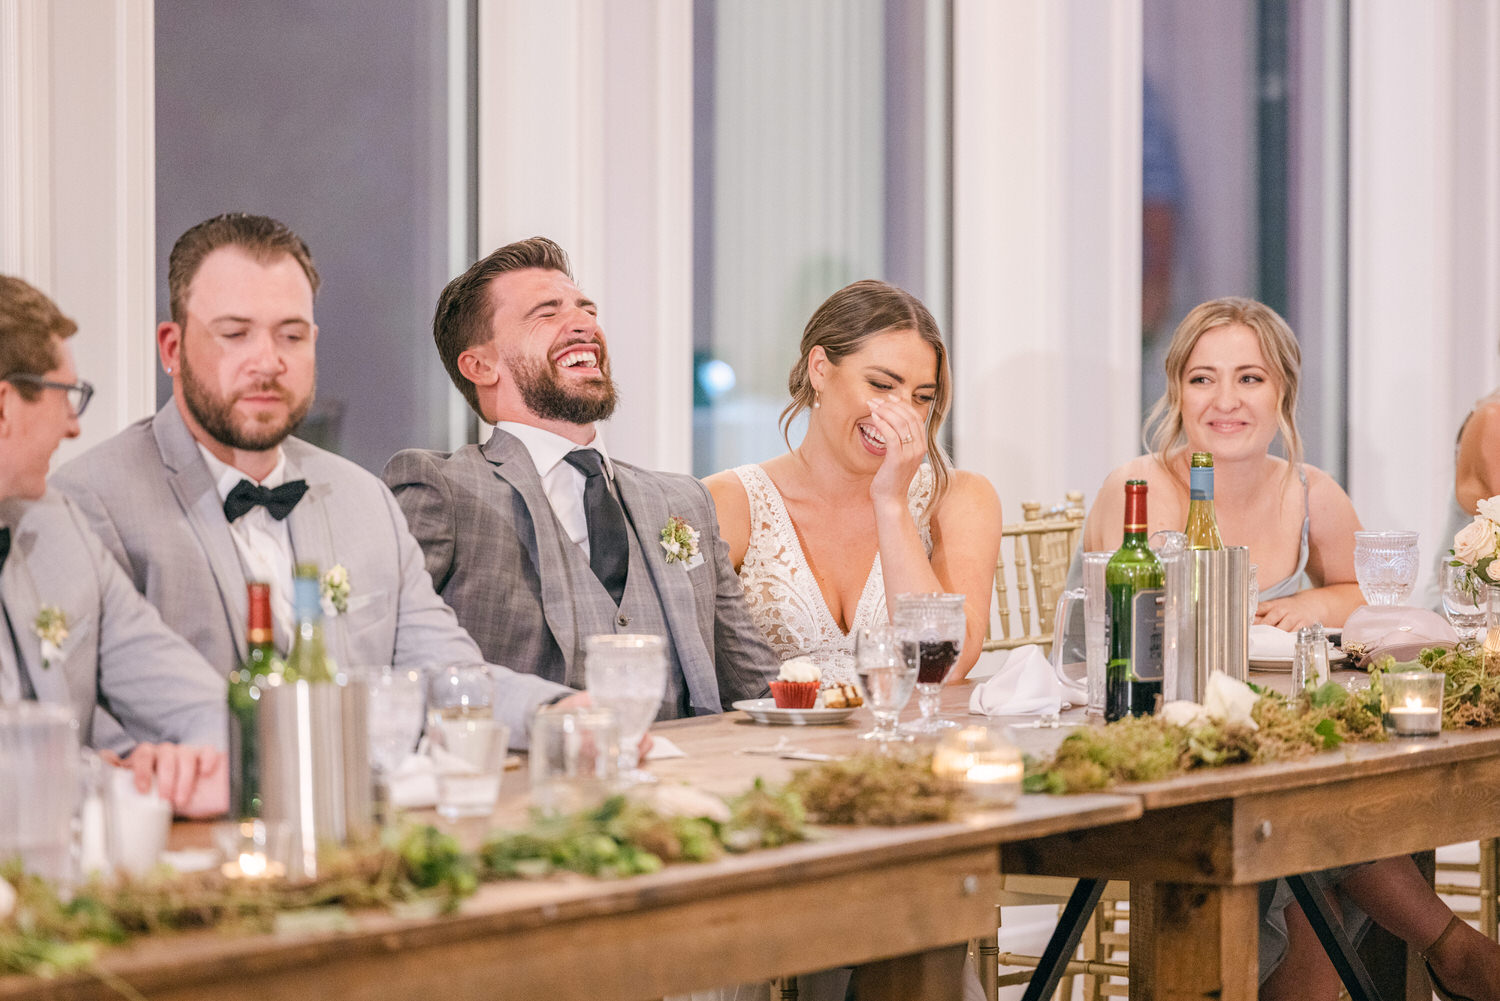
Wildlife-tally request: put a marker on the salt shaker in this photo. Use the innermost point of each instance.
(1310, 659)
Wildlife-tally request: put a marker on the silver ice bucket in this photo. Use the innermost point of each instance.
(1215, 634)
(315, 766)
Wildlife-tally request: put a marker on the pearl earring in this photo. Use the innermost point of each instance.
(817, 400)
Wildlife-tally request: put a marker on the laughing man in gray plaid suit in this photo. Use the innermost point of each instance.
(538, 539)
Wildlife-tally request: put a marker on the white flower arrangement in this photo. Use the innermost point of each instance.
(1477, 545)
(52, 629)
(680, 540)
(1226, 701)
(334, 589)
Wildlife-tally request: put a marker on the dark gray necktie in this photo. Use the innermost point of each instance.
(609, 546)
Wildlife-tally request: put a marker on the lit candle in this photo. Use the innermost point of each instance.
(988, 770)
(1414, 701)
(250, 849)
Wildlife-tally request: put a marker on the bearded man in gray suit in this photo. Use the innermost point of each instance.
(538, 539)
(77, 634)
(212, 492)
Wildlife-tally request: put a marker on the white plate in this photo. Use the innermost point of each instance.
(766, 711)
(1284, 664)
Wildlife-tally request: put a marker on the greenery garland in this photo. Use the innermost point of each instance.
(1148, 748)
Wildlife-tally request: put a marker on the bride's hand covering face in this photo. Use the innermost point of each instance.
(1233, 371)
(873, 378)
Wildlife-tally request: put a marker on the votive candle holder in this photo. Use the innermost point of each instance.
(1413, 703)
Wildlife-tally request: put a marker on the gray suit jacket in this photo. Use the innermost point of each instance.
(151, 497)
(492, 548)
(117, 654)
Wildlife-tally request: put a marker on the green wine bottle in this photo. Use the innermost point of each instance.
(1135, 587)
(308, 659)
(245, 684)
(1202, 527)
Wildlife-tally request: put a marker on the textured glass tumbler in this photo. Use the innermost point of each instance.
(1385, 564)
(627, 674)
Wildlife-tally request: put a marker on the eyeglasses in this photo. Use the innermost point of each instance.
(79, 393)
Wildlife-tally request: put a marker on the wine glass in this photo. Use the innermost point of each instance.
(885, 679)
(1464, 601)
(627, 674)
(1385, 564)
(934, 627)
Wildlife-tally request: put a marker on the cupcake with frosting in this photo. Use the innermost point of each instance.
(796, 687)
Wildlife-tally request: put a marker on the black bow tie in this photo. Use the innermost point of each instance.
(278, 502)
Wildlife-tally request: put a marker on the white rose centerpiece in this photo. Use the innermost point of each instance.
(1477, 545)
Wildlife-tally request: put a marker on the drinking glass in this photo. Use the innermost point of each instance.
(395, 714)
(627, 674)
(885, 679)
(468, 779)
(1095, 599)
(933, 627)
(1464, 601)
(1385, 564)
(40, 771)
(574, 756)
(396, 698)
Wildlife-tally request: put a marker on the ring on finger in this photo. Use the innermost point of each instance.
(906, 439)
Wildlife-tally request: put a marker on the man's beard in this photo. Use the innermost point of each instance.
(546, 395)
(215, 414)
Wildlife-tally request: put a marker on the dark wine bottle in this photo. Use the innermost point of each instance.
(1202, 526)
(308, 659)
(245, 684)
(1135, 585)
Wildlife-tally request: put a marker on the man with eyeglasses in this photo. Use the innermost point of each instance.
(77, 633)
(213, 490)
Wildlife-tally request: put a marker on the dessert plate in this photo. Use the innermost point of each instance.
(766, 711)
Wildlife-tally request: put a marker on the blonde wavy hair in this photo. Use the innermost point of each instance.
(1164, 432)
(842, 325)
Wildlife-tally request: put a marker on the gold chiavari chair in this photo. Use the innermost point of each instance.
(1485, 887)
(1034, 557)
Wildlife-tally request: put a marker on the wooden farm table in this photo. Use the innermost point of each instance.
(858, 895)
(1205, 840)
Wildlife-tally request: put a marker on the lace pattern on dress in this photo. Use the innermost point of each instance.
(785, 601)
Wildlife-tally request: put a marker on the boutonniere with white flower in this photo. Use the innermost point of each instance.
(1477, 545)
(52, 629)
(333, 587)
(680, 540)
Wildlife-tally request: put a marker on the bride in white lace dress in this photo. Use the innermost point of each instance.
(821, 534)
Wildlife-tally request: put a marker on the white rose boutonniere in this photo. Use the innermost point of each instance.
(333, 587)
(680, 540)
(52, 629)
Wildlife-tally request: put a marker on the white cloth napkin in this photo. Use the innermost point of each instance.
(414, 784)
(662, 748)
(1025, 685)
(1271, 643)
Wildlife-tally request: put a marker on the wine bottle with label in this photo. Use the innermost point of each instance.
(1135, 588)
(1202, 527)
(245, 684)
(308, 659)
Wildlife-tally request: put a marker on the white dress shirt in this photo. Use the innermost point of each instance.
(562, 483)
(264, 544)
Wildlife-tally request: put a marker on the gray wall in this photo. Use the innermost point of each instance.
(331, 116)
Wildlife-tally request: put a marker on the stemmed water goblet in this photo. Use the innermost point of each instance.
(885, 679)
(933, 627)
(627, 674)
(1385, 565)
(1464, 599)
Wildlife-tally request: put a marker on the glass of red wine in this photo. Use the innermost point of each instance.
(933, 627)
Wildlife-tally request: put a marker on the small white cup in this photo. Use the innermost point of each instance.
(138, 824)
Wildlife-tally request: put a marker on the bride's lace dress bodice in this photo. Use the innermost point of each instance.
(785, 601)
